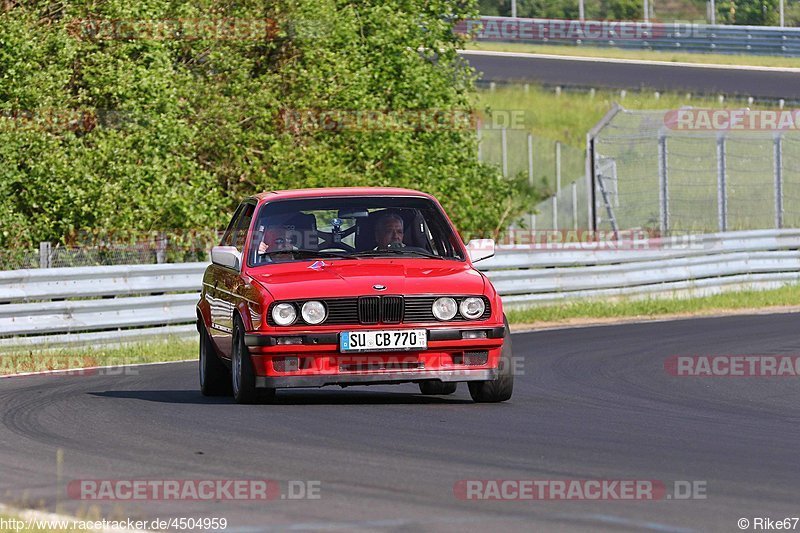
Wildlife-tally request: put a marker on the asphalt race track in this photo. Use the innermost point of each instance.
(555, 70)
(592, 403)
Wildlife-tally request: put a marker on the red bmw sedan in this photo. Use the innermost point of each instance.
(349, 286)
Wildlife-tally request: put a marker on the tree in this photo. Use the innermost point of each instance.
(181, 120)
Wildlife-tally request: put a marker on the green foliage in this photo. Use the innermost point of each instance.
(748, 12)
(565, 9)
(147, 133)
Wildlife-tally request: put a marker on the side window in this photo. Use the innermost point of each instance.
(227, 237)
(242, 225)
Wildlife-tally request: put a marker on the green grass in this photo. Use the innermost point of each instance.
(651, 55)
(649, 308)
(63, 358)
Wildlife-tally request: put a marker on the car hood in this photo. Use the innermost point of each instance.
(341, 278)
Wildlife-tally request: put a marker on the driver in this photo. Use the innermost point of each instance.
(389, 231)
(276, 239)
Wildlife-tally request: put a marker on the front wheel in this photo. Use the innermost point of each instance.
(243, 376)
(500, 388)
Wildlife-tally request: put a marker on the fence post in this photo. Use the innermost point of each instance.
(663, 198)
(530, 174)
(44, 255)
(480, 144)
(778, 170)
(574, 206)
(530, 160)
(504, 150)
(558, 167)
(555, 212)
(161, 248)
(588, 178)
(722, 196)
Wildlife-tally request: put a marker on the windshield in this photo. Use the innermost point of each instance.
(341, 227)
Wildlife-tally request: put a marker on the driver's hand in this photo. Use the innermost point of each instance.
(263, 247)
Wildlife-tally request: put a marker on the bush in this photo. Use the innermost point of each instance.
(170, 133)
(748, 12)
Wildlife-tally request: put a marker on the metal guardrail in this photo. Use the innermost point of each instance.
(60, 307)
(698, 266)
(677, 36)
(106, 305)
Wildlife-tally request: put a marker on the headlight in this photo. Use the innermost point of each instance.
(284, 314)
(444, 308)
(472, 308)
(313, 312)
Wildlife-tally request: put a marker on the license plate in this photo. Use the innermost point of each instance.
(379, 341)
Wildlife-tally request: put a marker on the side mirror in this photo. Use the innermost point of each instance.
(480, 249)
(227, 256)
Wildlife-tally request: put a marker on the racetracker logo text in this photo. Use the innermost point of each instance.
(732, 120)
(191, 489)
(577, 489)
(733, 365)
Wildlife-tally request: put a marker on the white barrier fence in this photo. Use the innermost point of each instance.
(111, 304)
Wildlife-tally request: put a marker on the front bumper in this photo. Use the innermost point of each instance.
(375, 378)
(313, 359)
(332, 338)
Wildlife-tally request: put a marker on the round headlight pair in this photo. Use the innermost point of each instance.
(285, 314)
(445, 308)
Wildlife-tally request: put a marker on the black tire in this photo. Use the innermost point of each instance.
(215, 380)
(243, 376)
(501, 388)
(437, 388)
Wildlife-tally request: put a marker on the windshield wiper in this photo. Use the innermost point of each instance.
(303, 253)
(397, 251)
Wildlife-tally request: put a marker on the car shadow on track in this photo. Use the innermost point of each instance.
(294, 397)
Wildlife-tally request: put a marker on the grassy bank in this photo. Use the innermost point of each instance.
(649, 55)
(66, 358)
(589, 311)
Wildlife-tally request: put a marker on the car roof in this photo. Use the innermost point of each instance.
(338, 191)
